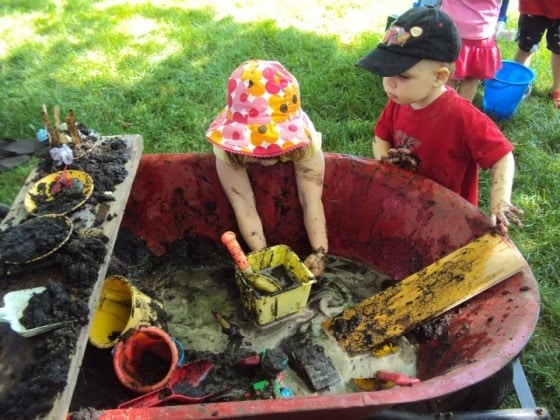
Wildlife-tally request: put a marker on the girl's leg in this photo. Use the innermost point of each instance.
(452, 84)
(468, 88)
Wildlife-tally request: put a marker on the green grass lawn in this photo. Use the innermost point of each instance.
(159, 69)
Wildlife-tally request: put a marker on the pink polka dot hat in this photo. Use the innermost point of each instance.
(263, 116)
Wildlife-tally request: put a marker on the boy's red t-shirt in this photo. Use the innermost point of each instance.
(451, 137)
(547, 8)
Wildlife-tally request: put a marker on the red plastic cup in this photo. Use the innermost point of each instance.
(145, 359)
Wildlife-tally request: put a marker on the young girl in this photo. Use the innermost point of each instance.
(263, 123)
(479, 57)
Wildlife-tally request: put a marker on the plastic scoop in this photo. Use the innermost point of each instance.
(258, 281)
(182, 387)
(15, 304)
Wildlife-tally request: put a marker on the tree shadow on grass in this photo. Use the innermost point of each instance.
(162, 72)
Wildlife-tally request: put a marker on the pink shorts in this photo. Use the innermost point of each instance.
(478, 59)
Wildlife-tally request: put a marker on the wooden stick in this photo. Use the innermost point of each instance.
(56, 130)
(71, 123)
(45, 117)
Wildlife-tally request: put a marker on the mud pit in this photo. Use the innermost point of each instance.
(195, 281)
(184, 280)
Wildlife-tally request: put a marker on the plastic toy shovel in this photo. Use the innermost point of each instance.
(15, 304)
(258, 281)
(183, 387)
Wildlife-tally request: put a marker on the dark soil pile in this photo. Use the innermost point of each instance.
(76, 262)
(34, 239)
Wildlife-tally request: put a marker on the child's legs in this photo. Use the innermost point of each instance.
(468, 87)
(555, 63)
(530, 32)
(552, 37)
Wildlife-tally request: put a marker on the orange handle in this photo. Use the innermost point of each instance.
(230, 241)
(399, 379)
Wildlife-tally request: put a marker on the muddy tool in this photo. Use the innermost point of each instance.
(310, 362)
(426, 294)
(383, 380)
(258, 281)
(15, 304)
(271, 362)
(230, 329)
(183, 387)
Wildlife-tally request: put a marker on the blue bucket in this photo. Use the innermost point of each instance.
(503, 93)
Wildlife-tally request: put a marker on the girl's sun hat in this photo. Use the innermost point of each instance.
(263, 116)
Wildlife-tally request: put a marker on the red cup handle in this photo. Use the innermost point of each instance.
(230, 241)
(151, 399)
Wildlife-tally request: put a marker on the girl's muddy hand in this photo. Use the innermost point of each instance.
(316, 262)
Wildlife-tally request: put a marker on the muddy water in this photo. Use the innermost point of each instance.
(192, 293)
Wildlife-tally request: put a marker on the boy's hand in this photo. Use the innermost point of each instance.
(403, 158)
(316, 262)
(501, 214)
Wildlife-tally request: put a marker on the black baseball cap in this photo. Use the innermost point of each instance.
(419, 33)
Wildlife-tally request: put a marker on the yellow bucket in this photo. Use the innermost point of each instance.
(293, 296)
(122, 307)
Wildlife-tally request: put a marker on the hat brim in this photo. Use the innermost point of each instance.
(235, 137)
(387, 63)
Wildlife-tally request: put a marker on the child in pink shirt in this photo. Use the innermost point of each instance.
(479, 57)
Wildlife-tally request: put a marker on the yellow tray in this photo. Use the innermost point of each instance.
(43, 189)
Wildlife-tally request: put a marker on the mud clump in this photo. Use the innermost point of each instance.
(54, 305)
(70, 261)
(33, 239)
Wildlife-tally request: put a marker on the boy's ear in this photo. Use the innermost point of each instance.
(442, 75)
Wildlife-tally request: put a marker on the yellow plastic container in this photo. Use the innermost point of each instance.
(283, 264)
(122, 307)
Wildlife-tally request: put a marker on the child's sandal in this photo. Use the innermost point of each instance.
(556, 98)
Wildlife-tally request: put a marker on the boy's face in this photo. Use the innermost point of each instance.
(418, 86)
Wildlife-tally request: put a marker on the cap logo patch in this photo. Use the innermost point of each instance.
(416, 31)
(396, 35)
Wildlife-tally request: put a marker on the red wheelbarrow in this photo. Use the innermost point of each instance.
(377, 215)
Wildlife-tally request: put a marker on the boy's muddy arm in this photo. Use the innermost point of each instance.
(501, 209)
(401, 157)
(380, 148)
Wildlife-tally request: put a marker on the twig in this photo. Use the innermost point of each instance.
(71, 123)
(56, 125)
(47, 123)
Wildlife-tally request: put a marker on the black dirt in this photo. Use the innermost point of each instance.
(58, 196)
(76, 263)
(33, 239)
(310, 362)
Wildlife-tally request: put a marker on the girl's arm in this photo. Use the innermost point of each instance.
(237, 187)
(309, 178)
